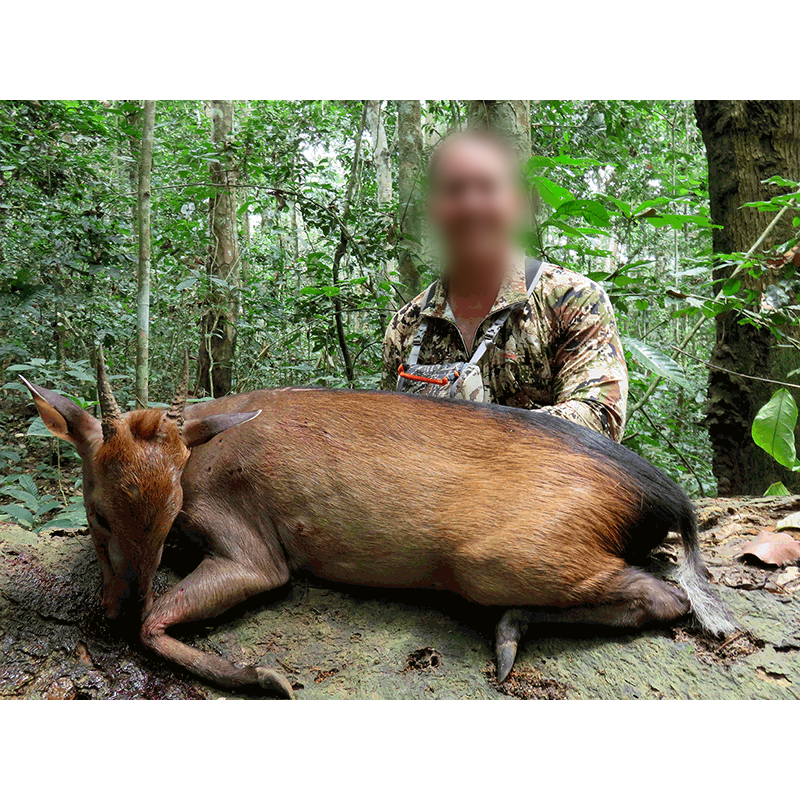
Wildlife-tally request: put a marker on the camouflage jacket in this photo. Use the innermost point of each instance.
(559, 352)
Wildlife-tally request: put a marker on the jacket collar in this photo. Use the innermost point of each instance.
(513, 293)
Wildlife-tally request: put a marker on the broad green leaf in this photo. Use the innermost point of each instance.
(777, 490)
(653, 359)
(38, 428)
(552, 193)
(624, 207)
(20, 494)
(28, 484)
(63, 522)
(648, 204)
(565, 227)
(590, 210)
(19, 513)
(773, 428)
(732, 286)
(82, 375)
(48, 507)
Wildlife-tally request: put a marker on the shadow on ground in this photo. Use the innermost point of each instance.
(343, 642)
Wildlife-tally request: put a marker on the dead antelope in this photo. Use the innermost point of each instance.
(508, 508)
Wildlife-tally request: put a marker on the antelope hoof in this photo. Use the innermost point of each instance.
(274, 683)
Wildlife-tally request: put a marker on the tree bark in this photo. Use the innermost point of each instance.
(218, 343)
(341, 249)
(134, 121)
(510, 118)
(143, 271)
(383, 173)
(410, 211)
(747, 142)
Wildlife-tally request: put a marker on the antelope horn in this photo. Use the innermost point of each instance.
(108, 405)
(175, 413)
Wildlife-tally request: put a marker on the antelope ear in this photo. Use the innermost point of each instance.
(62, 417)
(199, 431)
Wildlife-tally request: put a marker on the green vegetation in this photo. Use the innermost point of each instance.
(317, 233)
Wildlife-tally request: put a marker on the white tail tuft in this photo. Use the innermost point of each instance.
(707, 606)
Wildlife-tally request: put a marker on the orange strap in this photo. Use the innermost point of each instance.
(422, 378)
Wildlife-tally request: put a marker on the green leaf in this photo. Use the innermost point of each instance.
(63, 522)
(185, 284)
(82, 375)
(773, 428)
(38, 428)
(590, 210)
(48, 507)
(653, 359)
(24, 497)
(552, 193)
(648, 204)
(28, 484)
(732, 286)
(777, 490)
(19, 513)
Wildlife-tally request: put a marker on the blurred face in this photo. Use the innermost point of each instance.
(475, 203)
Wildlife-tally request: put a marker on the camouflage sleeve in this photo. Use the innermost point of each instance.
(591, 377)
(391, 358)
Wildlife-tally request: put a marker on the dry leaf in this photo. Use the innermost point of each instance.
(792, 521)
(775, 549)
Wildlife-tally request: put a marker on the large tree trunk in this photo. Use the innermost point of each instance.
(218, 344)
(511, 118)
(143, 271)
(747, 142)
(410, 211)
(341, 249)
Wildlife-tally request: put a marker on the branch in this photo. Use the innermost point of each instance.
(680, 455)
(737, 374)
(720, 295)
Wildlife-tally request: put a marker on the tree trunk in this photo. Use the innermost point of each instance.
(511, 119)
(747, 142)
(134, 121)
(341, 249)
(383, 173)
(410, 211)
(380, 152)
(218, 344)
(143, 271)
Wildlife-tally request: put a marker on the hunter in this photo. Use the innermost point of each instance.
(558, 349)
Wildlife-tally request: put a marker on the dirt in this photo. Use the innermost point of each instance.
(426, 658)
(526, 683)
(351, 642)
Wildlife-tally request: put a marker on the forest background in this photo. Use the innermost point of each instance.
(274, 239)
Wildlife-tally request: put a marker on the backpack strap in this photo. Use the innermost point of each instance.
(533, 271)
(416, 344)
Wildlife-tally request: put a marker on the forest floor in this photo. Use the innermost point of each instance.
(343, 642)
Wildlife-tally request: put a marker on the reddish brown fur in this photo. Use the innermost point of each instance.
(486, 500)
(137, 474)
(369, 488)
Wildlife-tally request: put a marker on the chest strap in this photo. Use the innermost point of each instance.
(533, 271)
